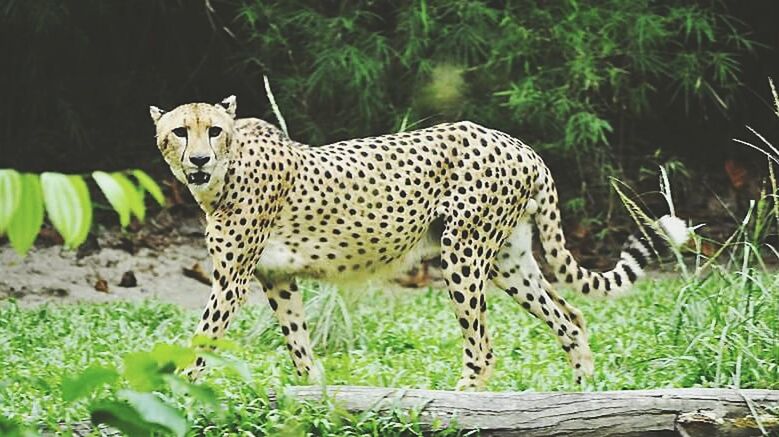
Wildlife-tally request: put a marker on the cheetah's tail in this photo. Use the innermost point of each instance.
(636, 252)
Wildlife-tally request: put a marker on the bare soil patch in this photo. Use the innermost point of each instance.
(165, 259)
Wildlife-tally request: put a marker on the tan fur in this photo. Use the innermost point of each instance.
(368, 208)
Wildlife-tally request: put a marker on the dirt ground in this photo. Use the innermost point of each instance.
(148, 263)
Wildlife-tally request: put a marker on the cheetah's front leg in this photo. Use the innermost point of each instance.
(234, 262)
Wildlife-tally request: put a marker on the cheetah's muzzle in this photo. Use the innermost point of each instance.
(198, 178)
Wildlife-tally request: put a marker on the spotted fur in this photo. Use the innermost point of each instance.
(371, 207)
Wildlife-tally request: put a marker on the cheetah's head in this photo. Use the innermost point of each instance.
(195, 140)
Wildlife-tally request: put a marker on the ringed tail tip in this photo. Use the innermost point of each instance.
(675, 230)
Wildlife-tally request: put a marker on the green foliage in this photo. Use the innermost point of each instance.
(116, 194)
(561, 73)
(146, 410)
(66, 207)
(126, 418)
(149, 186)
(668, 333)
(10, 193)
(67, 203)
(87, 382)
(761, 222)
(28, 216)
(141, 410)
(12, 428)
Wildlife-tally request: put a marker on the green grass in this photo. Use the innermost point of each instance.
(720, 331)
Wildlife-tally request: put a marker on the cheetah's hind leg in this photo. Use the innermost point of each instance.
(518, 273)
(286, 301)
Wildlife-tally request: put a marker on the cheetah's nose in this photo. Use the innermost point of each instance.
(199, 160)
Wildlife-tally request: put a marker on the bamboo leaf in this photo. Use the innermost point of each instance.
(26, 222)
(10, 192)
(148, 184)
(63, 206)
(115, 194)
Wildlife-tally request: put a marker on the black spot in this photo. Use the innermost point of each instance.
(456, 278)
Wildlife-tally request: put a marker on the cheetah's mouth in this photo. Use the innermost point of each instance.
(198, 178)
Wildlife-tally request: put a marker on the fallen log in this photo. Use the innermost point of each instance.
(677, 412)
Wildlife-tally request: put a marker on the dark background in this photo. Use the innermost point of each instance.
(77, 78)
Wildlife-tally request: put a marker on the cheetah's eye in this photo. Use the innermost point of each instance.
(180, 132)
(214, 131)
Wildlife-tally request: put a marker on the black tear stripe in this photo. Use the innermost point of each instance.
(184, 151)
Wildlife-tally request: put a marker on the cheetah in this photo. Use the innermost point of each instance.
(366, 208)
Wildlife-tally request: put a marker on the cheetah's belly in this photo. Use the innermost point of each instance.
(304, 257)
(278, 257)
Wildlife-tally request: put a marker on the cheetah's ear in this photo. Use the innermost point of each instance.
(229, 105)
(156, 113)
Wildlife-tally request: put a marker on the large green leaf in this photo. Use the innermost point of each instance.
(12, 428)
(237, 367)
(64, 207)
(134, 195)
(180, 356)
(142, 371)
(123, 417)
(221, 344)
(154, 411)
(115, 194)
(10, 193)
(201, 393)
(148, 184)
(87, 382)
(85, 203)
(26, 222)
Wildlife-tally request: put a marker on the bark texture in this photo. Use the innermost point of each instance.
(672, 412)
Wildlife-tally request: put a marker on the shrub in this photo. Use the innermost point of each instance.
(67, 202)
(560, 74)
